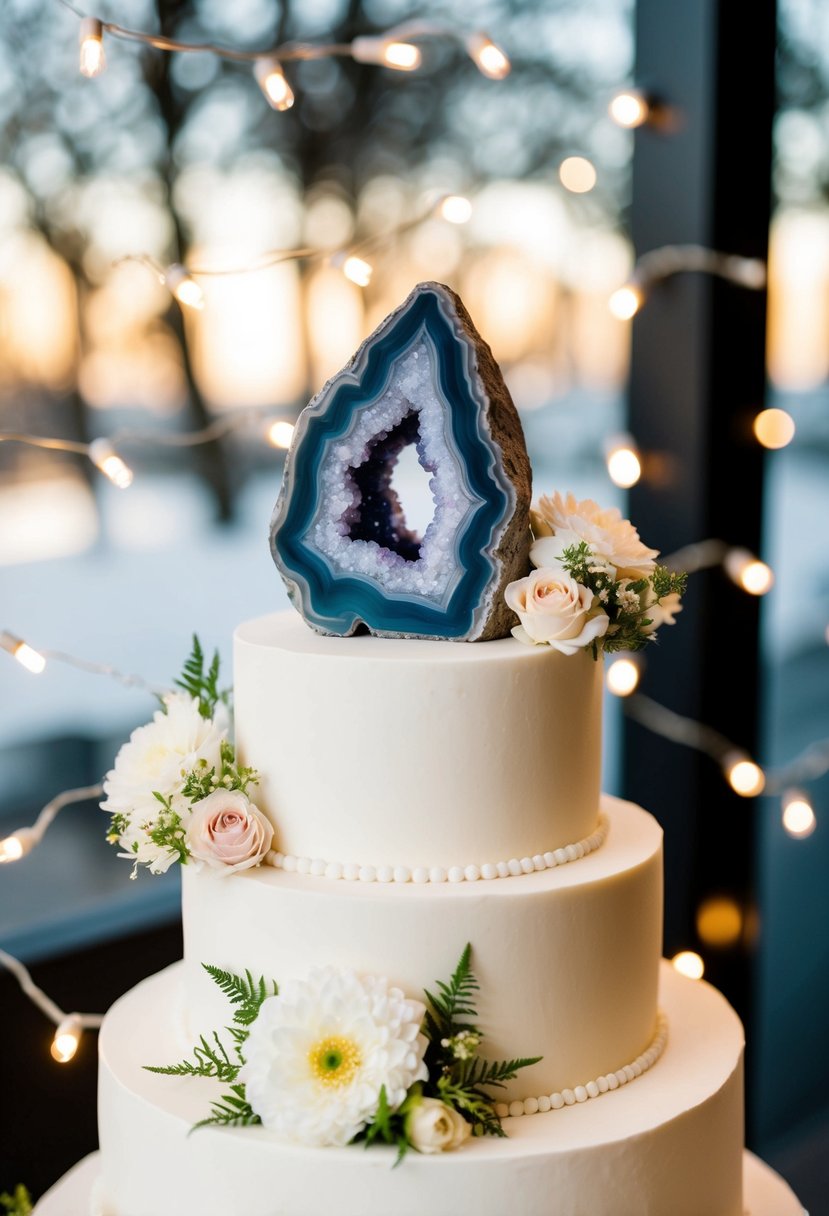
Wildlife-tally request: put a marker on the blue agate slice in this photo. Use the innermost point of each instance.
(339, 535)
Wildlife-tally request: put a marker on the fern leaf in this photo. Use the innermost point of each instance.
(248, 994)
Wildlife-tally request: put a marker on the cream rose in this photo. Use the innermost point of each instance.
(613, 539)
(554, 609)
(434, 1127)
(228, 832)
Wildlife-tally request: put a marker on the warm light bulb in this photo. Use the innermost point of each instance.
(104, 457)
(180, 282)
(92, 57)
(66, 1040)
(456, 209)
(271, 80)
(26, 655)
(720, 921)
(774, 428)
(744, 776)
(748, 572)
(689, 963)
(623, 464)
(626, 302)
(21, 842)
(622, 677)
(358, 271)
(402, 56)
(577, 174)
(280, 434)
(489, 58)
(630, 108)
(799, 818)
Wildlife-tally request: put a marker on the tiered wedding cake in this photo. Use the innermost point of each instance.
(425, 795)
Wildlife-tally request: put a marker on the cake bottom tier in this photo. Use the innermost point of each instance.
(668, 1144)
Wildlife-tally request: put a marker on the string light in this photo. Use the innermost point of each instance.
(357, 270)
(660, 264)
(490, 59)
(622, 677)
(104, 457)
(630, 108)
(624, 465)
(774, 428)
(720, 921)
(689, 963)
(626, 301)
(402, 56)
(577, 174)
(180, 283)
(91, 39)
(799, 818)
(744, 776)
(455, 209)
(271, 79)
(23, 840)
(748, 572)
(69, 1026)
(280, 434)
(26, 655)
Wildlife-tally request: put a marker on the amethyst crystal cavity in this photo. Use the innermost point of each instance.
(339, 534)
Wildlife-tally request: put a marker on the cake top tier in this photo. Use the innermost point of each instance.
(339, 536)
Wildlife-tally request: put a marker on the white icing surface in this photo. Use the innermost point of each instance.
(567, 958)
(382, 752)
(668, 1145)
(765, 1193)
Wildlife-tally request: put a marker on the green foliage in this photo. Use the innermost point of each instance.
(167, 829)
(247, 993)
(201, 684)
(213, 1059)
(231, 1110)
(388, 1126)
(18, 1204)
(626, 602)
(202, 781)
(457, 1075)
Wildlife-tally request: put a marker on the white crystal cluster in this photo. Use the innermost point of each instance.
(434, 574)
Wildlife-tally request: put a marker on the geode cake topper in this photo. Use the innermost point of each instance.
(339, 535)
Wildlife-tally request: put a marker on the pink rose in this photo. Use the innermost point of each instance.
(228, 832)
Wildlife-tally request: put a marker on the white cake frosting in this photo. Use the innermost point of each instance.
(417, 753)
(670, 1144)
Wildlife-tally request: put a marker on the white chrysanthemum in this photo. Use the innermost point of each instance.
(319, 1053)
(612, 538)
(140, 849)
(159, 756)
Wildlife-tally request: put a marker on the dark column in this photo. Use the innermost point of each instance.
(697, 378)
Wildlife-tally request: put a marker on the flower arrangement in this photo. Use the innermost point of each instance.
(177, 792)
(338, 1058)
(595, 584)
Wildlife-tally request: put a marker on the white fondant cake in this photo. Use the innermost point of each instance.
(417, 754)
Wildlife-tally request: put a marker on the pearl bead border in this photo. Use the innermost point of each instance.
(592, 1089)
(352, 872)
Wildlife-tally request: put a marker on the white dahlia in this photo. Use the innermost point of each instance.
(159, 756)
(319, 1053)
(613, 539)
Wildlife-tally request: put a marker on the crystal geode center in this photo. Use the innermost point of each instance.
(340, 536)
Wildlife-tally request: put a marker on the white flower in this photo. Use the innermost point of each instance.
(143, 851)
(159, 756)
(553, 608)
(228, 832)
(434, 1127)
(319, 1053)
(612, 539)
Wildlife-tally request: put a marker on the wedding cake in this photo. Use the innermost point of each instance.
(396, 793)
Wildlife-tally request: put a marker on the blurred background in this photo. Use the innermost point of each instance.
(178, 158)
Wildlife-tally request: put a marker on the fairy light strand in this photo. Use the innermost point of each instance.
(68, 1026)
(668, 260)
(22, 840)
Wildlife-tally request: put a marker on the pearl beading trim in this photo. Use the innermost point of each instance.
(352, 872)
(593, 1089)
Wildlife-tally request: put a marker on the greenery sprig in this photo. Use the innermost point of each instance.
(18, 1204)
(230, 1109)
(626, 602)
(200, 684)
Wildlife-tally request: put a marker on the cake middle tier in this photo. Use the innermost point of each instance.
(417, 753)
(567, 958)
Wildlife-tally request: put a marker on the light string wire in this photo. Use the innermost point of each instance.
(68, 1026)
(663, 263)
